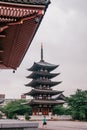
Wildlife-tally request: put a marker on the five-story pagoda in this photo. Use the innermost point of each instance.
(42, 92)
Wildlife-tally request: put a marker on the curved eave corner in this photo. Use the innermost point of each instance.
(16, 34)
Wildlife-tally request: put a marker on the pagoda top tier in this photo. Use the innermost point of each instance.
(42, 66)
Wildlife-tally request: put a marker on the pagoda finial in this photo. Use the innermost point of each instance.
(42, 52)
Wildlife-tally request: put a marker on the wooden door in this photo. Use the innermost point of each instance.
(45, 111)
(35, 111)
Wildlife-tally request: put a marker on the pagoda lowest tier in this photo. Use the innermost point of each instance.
(42, 92)
(45, 103)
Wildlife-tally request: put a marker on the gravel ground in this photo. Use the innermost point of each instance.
(63, 125)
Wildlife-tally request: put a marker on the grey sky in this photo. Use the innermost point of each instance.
(63, 32)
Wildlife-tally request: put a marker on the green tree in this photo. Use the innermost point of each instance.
(14, 108)
(61, 110)
(78, 105)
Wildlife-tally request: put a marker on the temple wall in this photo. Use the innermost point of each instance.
(17, 125)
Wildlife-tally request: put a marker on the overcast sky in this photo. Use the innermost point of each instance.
(63, 32)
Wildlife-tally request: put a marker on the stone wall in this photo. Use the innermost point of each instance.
(17, 125)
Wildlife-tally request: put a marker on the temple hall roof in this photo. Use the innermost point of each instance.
(59, 97)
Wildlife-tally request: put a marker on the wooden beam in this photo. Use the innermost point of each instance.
(2, 35)
(1, 51)
(3, 28)
(1, 61)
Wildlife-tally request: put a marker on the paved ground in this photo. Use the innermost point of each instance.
(63, 125)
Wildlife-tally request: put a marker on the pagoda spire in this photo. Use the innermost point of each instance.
(42, 53)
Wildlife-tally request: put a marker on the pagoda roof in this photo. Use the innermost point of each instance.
(38, 91)
(42, 65)
(61, 96)
(34, 83)
(19, 22)
(52, 102)
(38, 74)
(34, 2)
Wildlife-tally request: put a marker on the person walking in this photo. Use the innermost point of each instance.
(44, 122)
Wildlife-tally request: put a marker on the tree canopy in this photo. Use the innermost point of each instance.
(61, 110)
(16, 107)
(78, 104)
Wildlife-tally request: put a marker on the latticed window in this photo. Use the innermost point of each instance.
(40, 77)
(44, 78)
(48, 87)
(48, 96)
(44, 105)
(40, 87)
(40, 96)
(40, 105)
(41, 70)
